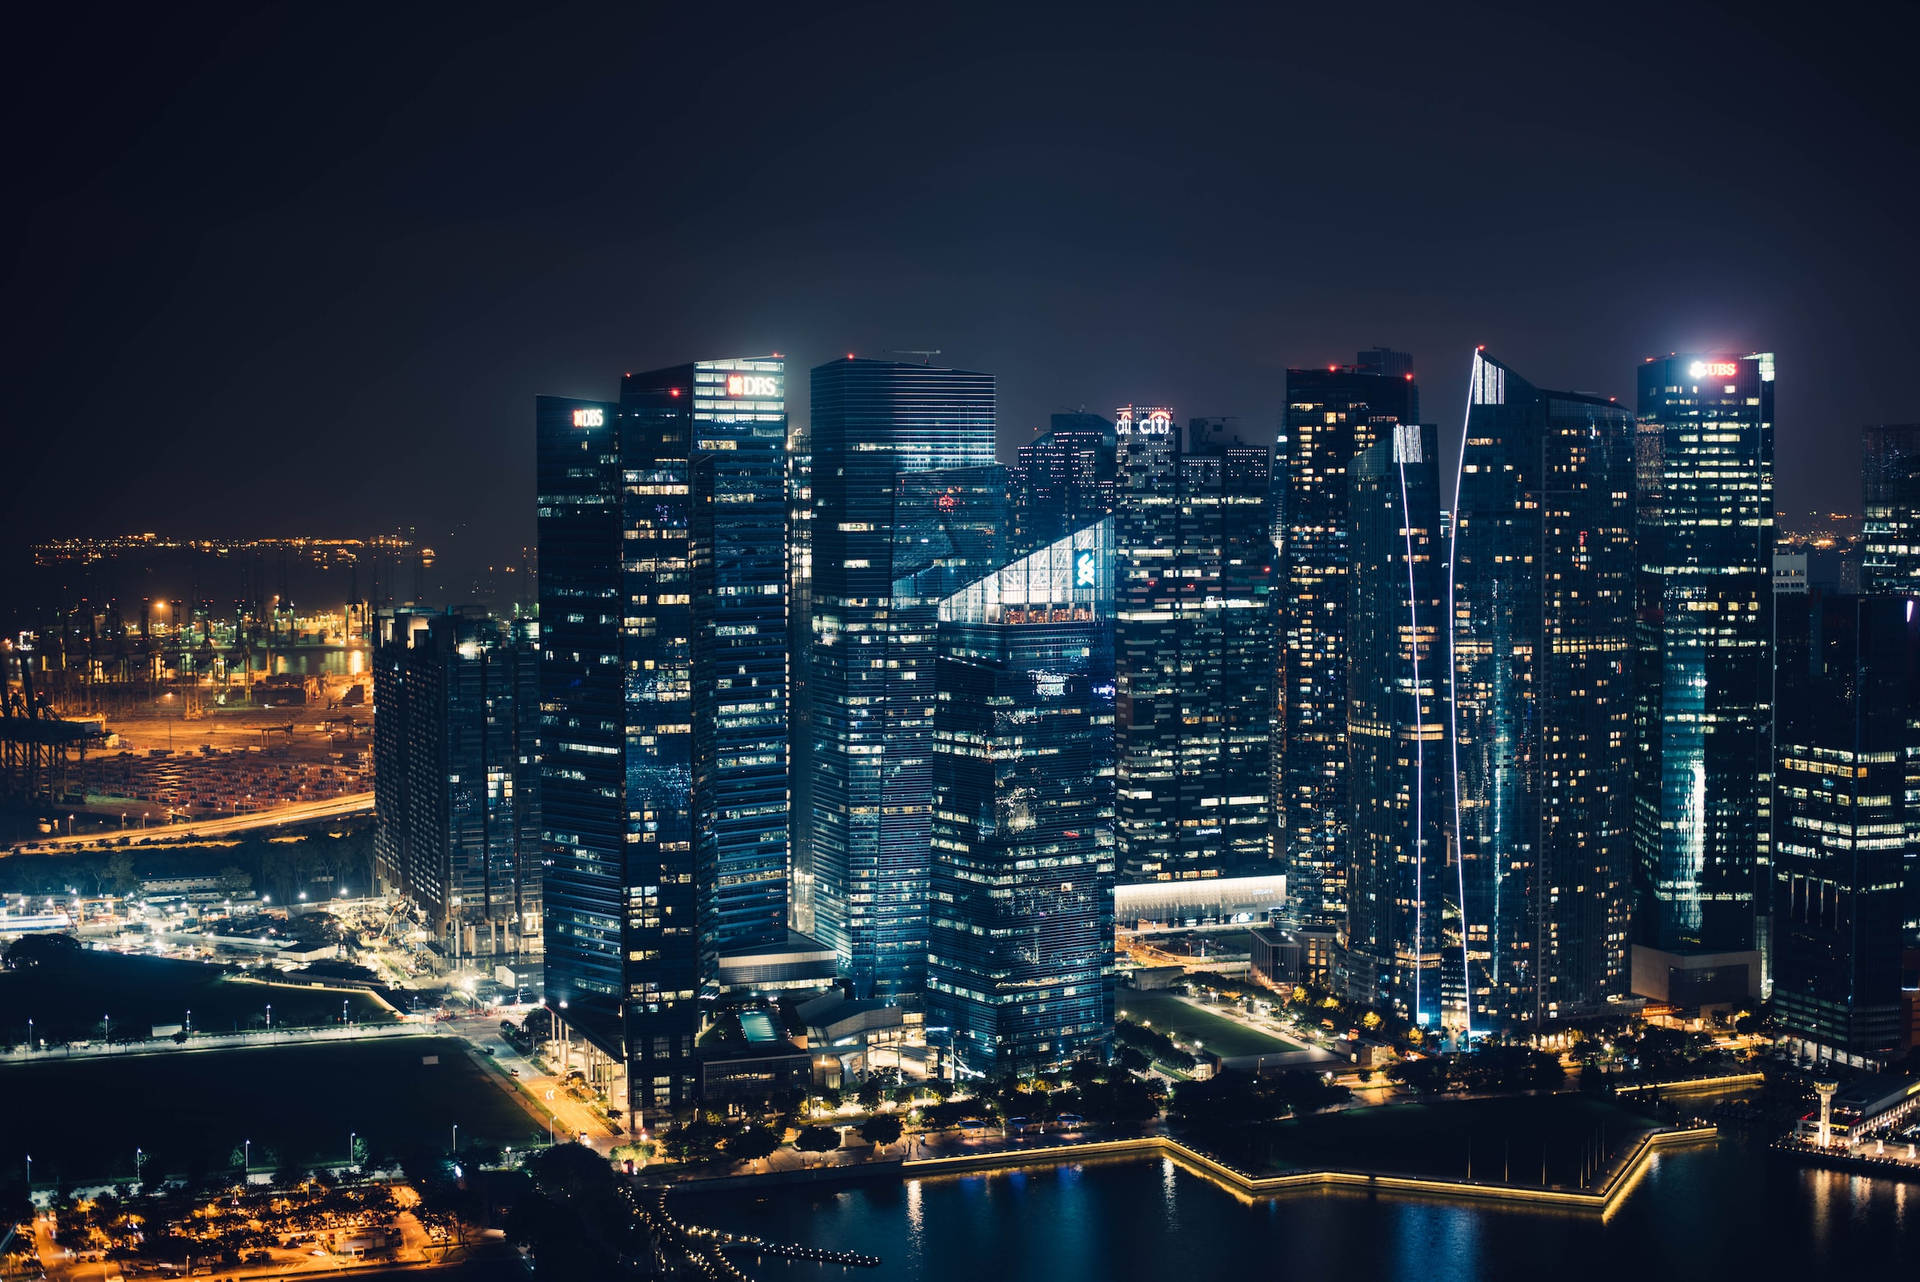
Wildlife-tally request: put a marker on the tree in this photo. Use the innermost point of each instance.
(752, 1144)
(121, 878)
(235, 881)
(817, 1139)
(881, 1130)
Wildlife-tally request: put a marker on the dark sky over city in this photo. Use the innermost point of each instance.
(303, 268)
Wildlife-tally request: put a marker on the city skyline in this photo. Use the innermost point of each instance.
(167, 274)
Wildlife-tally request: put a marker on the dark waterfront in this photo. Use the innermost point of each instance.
(1717, 1211)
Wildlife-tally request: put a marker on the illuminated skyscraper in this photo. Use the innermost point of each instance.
(888, 544)
(456, 776)
(1020, 976)
(1704, 675)
(1193, 652)
(1146, 530)
(1223, 580)
(1332, 415)
(1846, 741)
(663, 600)
(1063, 480)
(1397, 703)
(1540, 591)
(1890, 511)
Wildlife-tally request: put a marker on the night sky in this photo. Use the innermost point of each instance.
(303, 269)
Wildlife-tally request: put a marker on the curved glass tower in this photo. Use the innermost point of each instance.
(1396, 726)
(1540, 590)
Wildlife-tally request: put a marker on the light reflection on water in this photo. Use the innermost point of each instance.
(1716, 1211)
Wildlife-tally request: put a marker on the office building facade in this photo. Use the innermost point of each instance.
(1332, 415)
(1020, 977)
(1703, 759)
(1890, 509)
(1062, 481)
(1194, 652)
(877, 425)
(1540, 602)
(1397, 705)
(456, 777)
(663, 594)
(1846, 739)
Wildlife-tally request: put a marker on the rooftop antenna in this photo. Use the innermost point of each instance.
(926, 354)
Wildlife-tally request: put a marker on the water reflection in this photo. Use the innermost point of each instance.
(1722, 1211)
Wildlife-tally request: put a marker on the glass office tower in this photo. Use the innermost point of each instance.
(1146, 531)
(1193, 652)
(1397, 704)
(456, 776)
(1221, 584)
(875, 424)
(663, 592)
(1704, 640)
(1540, 592)
(1890, 509)
(1063, 480)
(1332, 415)
(1845, 741)
(1020, 977)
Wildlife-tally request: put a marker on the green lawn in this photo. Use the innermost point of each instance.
(1507, 1138)
(191, 1111)
(1222, 1036)
(72, 1000)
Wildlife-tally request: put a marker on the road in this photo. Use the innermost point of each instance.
(543, 1094)
(355, 803)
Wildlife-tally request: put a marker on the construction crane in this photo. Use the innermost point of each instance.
(926, 354)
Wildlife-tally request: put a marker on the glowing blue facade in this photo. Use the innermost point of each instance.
(1703, 712)
(882, 525)
(1020, 974)
(1540, 599)
(663, 696)
(1397, 759)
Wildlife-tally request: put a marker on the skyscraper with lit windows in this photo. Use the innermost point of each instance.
(663, 593)
(1020, 976)
(1397, 704)
(1703, 761)
(1845, 743)
(889, 542)
(1890, 509)
(1540, 602)
(1333, 414)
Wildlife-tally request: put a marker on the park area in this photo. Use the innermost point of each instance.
(1525, 1139)
(1190, 1024)
(193, 1114)
(76, 997)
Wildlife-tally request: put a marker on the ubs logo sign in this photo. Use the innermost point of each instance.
(589, 418)
(1714, 369)
(761, 386)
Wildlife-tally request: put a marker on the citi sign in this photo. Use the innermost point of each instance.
(1714, 369)
(589, 418)
(764, 386)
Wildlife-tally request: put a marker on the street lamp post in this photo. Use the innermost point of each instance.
(246, 1159)
(139, 1165)
(351, 1137)
(269, 1016)
(456, 1139)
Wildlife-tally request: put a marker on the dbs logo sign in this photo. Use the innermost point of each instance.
(763, 386)
(589, 418)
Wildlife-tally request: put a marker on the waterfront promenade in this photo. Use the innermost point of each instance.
(1601, 1197)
